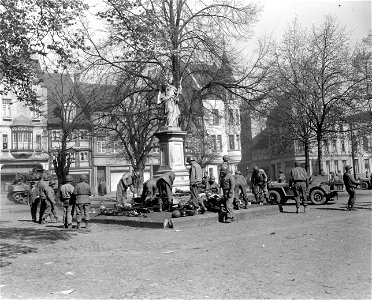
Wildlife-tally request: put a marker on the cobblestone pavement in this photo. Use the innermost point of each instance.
(323, 254)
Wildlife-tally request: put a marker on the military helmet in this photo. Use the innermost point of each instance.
(83, 177)
(212, 178)
(69, 178)
(225, 158)
(176, 214)
(190, 159)
(255, 168)
(36, 177)
(348, 167)
(45, 177)
(224, 168)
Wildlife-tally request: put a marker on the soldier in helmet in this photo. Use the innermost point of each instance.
(50, 203)
(68, 201)
(43, 186)
(241, 187)
(259, 185)
(212, 186)
(165, 185)
(127, 180)
(299, 182)
(225, 161)
(83, 191)
(350, 185)
(34, 197)
(228, 186)
(195, 176)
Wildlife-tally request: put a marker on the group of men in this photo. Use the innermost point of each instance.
(75, 199)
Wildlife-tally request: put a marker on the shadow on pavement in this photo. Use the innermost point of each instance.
(15, 241)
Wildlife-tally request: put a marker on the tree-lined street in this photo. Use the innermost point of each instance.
(323, 254)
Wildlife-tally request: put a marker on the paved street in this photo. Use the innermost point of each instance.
(323, 254)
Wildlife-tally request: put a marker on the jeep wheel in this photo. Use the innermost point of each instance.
(317, 197)
(274, 197)
(364, 185)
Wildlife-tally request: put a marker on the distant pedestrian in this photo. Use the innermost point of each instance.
(68, 200)
(195, 176)
(125, 182)
(299, 182)
(228, 187)
(83, 191)
(259, 185)
(350, 185)
(165, 184)
(102, 189)
(281, 178)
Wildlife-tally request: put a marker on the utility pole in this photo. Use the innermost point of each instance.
(352, 148)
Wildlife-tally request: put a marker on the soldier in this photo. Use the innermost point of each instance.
(259, 185)
(225, 161)
(50, 202)
(299, 182)
(228, 187)
(68, 201)
(350, 185)
(195, 176)
(212, 186)
(127, 180)
(83, 191)
(165, 185)
(240, 187)
(281, 178)
(204, 181)
(34, 197)
(148, 190)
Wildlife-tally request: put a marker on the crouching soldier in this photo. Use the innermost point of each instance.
(228, 187)
(50, 203)
(240, 187)
(148, 191)
(125, 182)
(68, 201)
(83, 192)
(165, 185)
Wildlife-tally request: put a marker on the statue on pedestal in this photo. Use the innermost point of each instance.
(169, 95)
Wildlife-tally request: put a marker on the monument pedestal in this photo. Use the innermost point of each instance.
(172, 157)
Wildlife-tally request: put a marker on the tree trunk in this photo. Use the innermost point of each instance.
(320, 152)
(307, 156)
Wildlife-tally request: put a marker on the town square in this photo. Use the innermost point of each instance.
(178, 149)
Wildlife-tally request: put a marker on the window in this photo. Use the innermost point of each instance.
(238, 142)
(343, 146)
(214, 142)
(84, 156)
(365, 144)
(366, 165)
(326, 146)
(216, 117)
(219, 142)
(336, 166)
(341, 128)
(38, 142)
(356, 165)
(22, 138)
(56, 135)
(237, 117)
(35, 115)
(69, 110)
(343, 164)
(116, 147)
(7, 113)
(328, 168)
(230, 117)
(101, 144)
(231, 142)
(210, 172)
(334, 146)
(5, 142)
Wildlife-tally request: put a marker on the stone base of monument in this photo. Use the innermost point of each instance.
(172, 156)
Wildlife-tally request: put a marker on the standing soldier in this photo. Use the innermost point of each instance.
(68, 201)
(165, 185)
(34, 197)
(127, 180)
(43, 186)
(50, 201)
(148, 190)
(240, 187)
(299, 182)
(225, 161)
(259, 185)
(350, 185)
(195, 176)
(228, 187)
(83, 192)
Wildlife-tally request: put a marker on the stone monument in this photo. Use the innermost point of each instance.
(171, 138)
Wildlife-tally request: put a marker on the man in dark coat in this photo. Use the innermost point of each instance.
(299, 182)
(228, 187)
(195, 176)
(165, 184)
(259, 185)
(34, 197)
(350, 185)
(83, 191)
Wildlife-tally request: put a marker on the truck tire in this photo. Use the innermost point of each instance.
(364, 185)
(317, 196)
(274, 197)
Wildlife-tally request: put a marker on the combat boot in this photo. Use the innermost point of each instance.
(304, 209)
(297, 210)
(280, 208)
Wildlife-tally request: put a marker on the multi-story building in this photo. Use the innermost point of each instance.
(23, 137)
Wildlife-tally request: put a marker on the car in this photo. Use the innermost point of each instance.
(320, 191)
(365, 183)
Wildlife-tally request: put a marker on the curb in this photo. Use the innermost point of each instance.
(183, 222)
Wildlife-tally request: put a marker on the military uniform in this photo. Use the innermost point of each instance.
(82, 192)
(51, 207)
(350, 185)
(121, 190)
(228, 187)
(165, 184)
(68, 201)
(212, 187)
(299, 182)
(195, 176)
(259, 185)
(240, 187)
(148, 190)
(34, 200)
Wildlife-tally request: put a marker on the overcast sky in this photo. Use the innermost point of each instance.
(277, 14)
